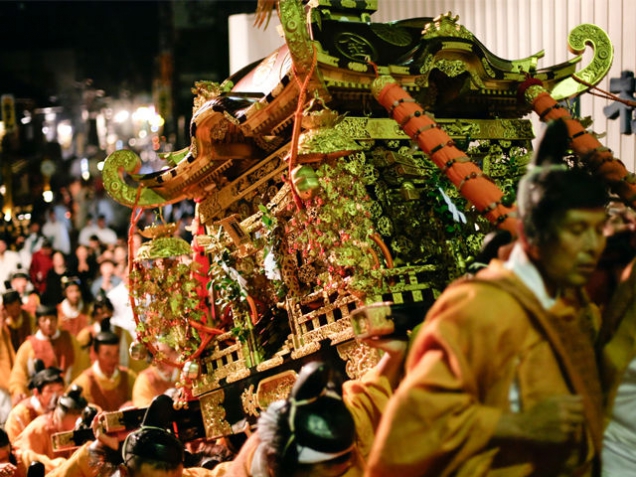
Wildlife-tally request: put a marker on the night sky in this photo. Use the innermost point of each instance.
(115, 42)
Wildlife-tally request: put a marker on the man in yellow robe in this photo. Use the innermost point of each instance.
(34, 443)
(55, 347)
(106, 383)
(7, 360)
(502, 378)
(47, 385)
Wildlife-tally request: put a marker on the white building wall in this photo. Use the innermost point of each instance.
(511, 29)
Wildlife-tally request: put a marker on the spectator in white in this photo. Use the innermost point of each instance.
(123, 316)
(106, 279)
(57, 233)
(9, 262)
(107, 236)
(32, 243)
(85, 233)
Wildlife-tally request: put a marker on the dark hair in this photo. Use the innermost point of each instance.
(552, 188)
(105, 338)
(45, 310)
(46, 376)
(72, 400)
(68, 281)
(152, 444)
(10, 296)
(4, 441)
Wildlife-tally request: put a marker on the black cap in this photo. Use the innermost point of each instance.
(10, 296)
(45, 310)
(152, 440)
(322, 421)
(36, 469)
(46, 376)
(73, 400)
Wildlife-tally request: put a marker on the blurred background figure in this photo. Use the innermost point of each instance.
(34, 443)
(46, 386)
(21, 283)
(106, 383)
(55, 347)
(9, 262)
(20, 323)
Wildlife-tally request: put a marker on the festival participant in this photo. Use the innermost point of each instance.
(157, 378)
(72, 311)
(19, 322)
(55, 347)
(502, 376)
(106, 383)
(46, 386)
(34, 443)
(21, 283)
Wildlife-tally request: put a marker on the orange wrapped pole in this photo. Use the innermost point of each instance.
(597, 158)
(462, 172)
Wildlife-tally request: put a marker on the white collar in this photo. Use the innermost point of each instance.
(520, 265)
(37, 405)
(69, 311)
(40, 336)
(98, 371)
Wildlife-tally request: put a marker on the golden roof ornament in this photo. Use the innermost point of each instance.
(446, 25)
(320, 139)
(163, 243)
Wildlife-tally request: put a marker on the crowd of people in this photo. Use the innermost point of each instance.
(524, 367)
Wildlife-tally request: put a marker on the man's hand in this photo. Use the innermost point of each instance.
(109, 440)
(7, 469)
(555, 420)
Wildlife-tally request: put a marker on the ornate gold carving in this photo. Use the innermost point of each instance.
(355, 48)
(355, 66)
(118, 188)
(238, 375)
(446, 25)
(486, 64)
(450, 68)
(292, 17)
(305, 350)
(213, 414)
(249, 401)
(359, 358)
(533, 92)
(597, 38)
(270, 363)
(274, 388)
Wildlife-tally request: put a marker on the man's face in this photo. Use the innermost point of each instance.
(108, 358)
(19, 284)
(570, 257)
(48, 394)
(47, 325)
(13, 309)
(73, 294)
(68, 421)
